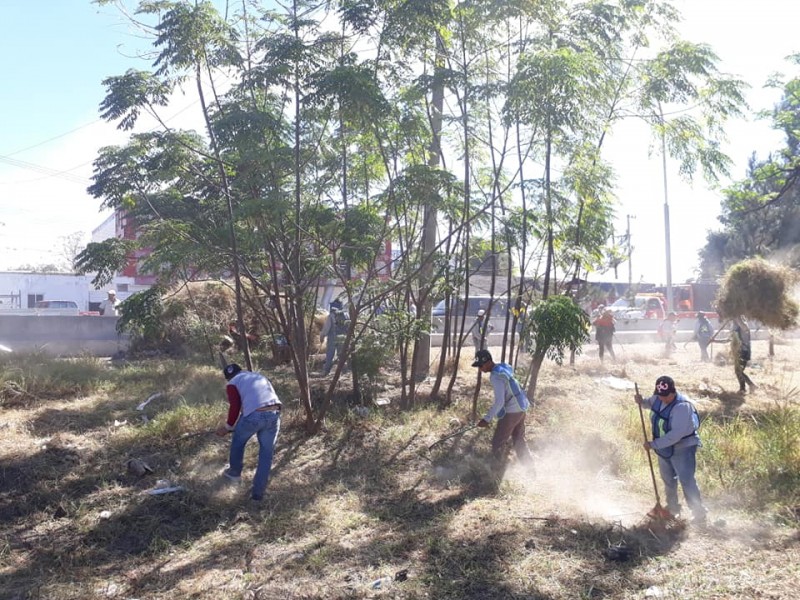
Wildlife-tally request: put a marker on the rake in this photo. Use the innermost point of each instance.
(658, 512)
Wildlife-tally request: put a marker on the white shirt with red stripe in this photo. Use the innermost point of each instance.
(247, 392)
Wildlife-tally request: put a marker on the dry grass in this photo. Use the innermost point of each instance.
(761, 291)
(365, 510)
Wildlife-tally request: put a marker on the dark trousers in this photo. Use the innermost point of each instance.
(605, 339)
(511, 426)
(738, 368)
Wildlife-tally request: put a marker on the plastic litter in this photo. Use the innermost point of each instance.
(165, 490)
(149, 400)
(616, 383)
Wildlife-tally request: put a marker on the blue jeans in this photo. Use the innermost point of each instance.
(680, 467)
(266, 426)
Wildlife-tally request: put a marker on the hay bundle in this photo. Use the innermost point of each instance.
(760, 291)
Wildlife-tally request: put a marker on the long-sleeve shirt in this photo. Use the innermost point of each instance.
(247, 392)
(481, 328)
(108, 307)
(508, 395)
(681, 421)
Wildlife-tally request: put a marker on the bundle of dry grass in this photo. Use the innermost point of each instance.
(761, 291)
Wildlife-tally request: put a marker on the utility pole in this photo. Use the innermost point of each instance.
(630, 251)
(670, 304)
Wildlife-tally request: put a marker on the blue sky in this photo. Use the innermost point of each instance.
(55, 55)
(57, 52)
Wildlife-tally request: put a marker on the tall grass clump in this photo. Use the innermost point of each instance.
(30, 377)
(754, 457)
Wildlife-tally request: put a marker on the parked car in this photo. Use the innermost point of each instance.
(643, 306)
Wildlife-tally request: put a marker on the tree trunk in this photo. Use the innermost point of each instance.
(533, 376)
(422, 354)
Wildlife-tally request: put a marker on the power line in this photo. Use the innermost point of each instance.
(45, 170)
(52, 139)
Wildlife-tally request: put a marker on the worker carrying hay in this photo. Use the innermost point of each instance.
(755, 289)
(740, 352)
(760, 291)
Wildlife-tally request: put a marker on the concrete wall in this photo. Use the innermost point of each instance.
(61, 335)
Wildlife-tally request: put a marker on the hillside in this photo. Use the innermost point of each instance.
(366, 510)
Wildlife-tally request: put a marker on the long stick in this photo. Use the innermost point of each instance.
(452, 435)
(718, 331)
(192, 434)
(649, 458)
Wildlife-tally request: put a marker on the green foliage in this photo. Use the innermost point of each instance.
(362, 236)
(553, 326)
(141, 316)
(105, 259)
(312, 155)
(194, 35)
(761, 214)
(371, 353)
(131, 93)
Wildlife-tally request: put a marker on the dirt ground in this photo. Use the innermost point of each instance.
(741, 554)
(366, 510)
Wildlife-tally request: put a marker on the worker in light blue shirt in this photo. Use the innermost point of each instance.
(509, 407)
(675, 441)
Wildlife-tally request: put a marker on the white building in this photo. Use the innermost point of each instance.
(21, 291)
(24, 290)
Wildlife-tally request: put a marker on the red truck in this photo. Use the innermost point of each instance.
(690, 298)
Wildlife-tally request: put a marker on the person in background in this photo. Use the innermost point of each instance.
(675, 441)
(703, 332)
(509, 406)
(481, 328)
(667, 330)
(254, 409)
(328, 335)
(604, 326)
(110, 306)
(740, 352)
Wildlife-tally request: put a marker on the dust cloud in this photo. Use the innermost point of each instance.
(578, 480)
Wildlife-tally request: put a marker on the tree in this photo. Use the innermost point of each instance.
(343, 125)
(761, 214)
(550, 328)
(71, 247)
